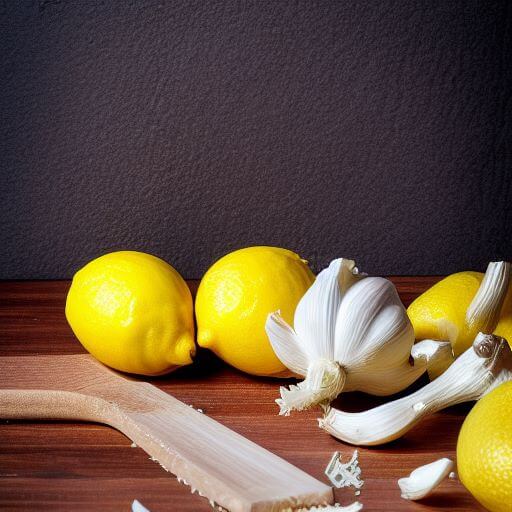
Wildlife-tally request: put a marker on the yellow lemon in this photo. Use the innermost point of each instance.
(484, 450)
(440, 312)
(236, 295)
(133, 312)
(504, 327)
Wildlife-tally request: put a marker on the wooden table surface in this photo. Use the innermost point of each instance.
(64, 466)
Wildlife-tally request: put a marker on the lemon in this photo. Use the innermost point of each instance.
(440, 312)
(504, 327)
(484, 450)
(236, 295)
(133, 312)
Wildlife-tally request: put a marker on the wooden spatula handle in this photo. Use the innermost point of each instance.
(40, 404)
(221, 464)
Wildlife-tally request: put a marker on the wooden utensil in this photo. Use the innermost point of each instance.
(220, 464)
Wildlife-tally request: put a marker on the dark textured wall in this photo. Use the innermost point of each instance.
(379, 130)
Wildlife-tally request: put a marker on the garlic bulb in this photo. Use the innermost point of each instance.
(351, 333)
(485, 365)
(423, 480)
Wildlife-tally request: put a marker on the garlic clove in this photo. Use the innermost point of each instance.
(477, 371)
(374, 339)
(436, 355)
(315, 315)
(460, 306)
(286, 344)
(313, 339)
(371, 315)
(484, 311)
(424, 479)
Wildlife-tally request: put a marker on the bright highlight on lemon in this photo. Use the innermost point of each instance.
(133, 312)
(235, 297)
(484, 450)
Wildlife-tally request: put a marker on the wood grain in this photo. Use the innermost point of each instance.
(219, 463)
(66, 466)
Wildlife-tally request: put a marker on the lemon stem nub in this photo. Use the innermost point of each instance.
(484, 311)
(184, 350)
(323, 383)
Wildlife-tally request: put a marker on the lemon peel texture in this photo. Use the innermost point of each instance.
(133, 312)
(233, 301)
(484, 450)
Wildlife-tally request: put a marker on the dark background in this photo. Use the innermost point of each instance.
(376, 130)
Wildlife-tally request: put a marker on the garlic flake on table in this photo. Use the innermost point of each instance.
(424, 479)
(137, 506)
(344, 474)
(484, 366)
(351, 332)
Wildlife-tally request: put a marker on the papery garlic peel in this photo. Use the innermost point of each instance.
(480, 369)
(344, 474)
(351, 332)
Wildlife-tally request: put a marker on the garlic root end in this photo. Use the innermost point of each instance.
(324, 382)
